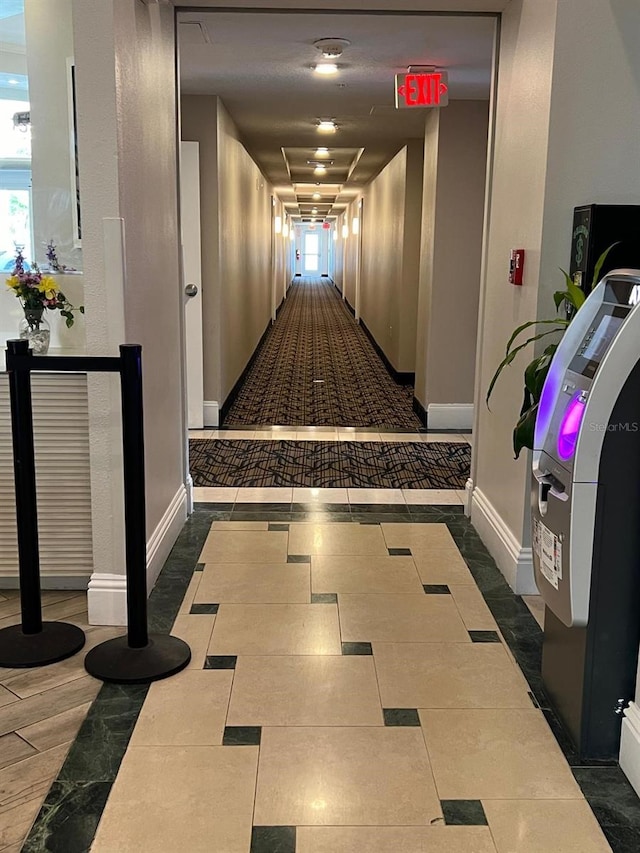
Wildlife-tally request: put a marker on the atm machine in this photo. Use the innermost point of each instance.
(586, 516)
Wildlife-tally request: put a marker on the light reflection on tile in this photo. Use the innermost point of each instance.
(344, 776)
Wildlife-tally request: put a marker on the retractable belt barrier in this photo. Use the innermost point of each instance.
(138, 657)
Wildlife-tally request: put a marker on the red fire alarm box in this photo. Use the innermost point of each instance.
(516, 266)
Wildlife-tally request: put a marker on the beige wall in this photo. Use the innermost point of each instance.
(238, 285)
(453, 214)
(550, 155)
(391, 254)
(124, 54)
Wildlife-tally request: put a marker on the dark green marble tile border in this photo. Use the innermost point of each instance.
(70, 814)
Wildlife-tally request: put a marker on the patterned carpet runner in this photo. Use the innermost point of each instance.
(325, 464)
(316, 367)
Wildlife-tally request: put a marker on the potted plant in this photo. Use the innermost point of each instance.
(38, 293)
(572, 298)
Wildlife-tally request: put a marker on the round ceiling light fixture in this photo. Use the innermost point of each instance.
(316, 196)
(320, 169)
(331, 48)
(326, 125)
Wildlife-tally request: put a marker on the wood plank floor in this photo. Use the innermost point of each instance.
(41, 711)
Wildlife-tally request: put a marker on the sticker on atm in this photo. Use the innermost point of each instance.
(549, 550)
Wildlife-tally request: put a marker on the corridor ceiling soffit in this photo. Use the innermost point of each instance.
(260, 65)
(476, 7)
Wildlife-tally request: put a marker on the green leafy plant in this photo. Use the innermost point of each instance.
(572, 299)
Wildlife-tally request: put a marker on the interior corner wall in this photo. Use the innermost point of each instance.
(125, 62)
(390, 252)
(237, 222)
(516, 213)
(199, 123)
(454, 192)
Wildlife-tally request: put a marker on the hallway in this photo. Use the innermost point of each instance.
(317, 367)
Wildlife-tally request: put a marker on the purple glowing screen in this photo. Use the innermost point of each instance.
(570, 427)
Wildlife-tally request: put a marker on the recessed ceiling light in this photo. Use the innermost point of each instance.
(327, 126)
(322, 152)
(314, 210)
(326, 69)
(320, 170)
(331, 48)
(316, 196)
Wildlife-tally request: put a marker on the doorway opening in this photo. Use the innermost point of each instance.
(314, 315)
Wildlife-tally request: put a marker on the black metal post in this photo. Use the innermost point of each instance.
(137, 658)
(134, 496)
(33, 643)
(24, 473)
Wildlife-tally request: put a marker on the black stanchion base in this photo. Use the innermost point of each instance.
(116, 662)
(56, 641)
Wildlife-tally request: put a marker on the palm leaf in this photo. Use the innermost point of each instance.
(600, 263)
(524, 431)
(557, 322)
(510, 357)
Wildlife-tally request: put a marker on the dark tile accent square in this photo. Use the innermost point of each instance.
(484, 636)
(324, 598)
(436, 589)
(399, 552)
(299, 558)
(463, 813)
(401, 717)
(357, 649)
(220, 662)
(199, 567)
(242, 736)
(204, 608)
(273, 839)
(273, 526)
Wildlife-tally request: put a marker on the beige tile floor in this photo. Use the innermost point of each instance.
(320, 757)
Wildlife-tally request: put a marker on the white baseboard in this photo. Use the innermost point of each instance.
(468, 497)
(450, 415)
(514, 561)
(107, 593)
(211, 413)
(107, 599)
(163, 537)
(630, 745)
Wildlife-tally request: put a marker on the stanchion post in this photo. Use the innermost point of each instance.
(24, 473)
(134, 494)
(34, 642)
(139, 657)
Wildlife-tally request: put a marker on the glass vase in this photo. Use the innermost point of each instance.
(34, 326)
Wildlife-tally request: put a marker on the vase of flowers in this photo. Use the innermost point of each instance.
(38, 294)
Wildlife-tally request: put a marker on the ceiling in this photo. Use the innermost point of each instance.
(260, 64)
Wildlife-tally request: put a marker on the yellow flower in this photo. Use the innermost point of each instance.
(13, 282)
(48, 286)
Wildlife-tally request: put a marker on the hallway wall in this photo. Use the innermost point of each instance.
(391, 255)
(237, 229)
(453, 215)
(125, 59)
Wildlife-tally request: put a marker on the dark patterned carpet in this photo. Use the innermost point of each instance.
(325, 464)
(316, 367)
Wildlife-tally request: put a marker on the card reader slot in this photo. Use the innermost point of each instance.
(549, 484)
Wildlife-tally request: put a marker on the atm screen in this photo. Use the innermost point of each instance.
(602, 337)
(598, 339)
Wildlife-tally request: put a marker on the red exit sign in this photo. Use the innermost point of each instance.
(422, 89)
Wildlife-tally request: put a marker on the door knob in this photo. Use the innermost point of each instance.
(191, 290)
